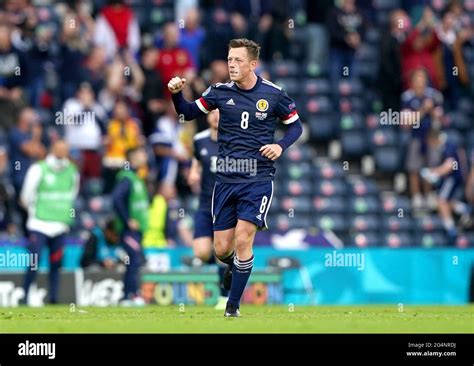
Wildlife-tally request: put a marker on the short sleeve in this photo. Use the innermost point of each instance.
(208, 100)
(286, 109)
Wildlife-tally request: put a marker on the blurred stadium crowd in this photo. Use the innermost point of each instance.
(95, 73)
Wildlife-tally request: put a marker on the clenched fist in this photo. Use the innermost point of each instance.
(176, 84)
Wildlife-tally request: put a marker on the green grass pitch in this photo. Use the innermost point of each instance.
(255, 319)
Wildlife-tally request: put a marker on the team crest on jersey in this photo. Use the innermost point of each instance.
(262, 105)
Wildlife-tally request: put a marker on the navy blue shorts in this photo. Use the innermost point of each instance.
(450, 188)
(203, 223)
(245, 201)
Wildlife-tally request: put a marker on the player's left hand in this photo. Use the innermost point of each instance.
(271, 151)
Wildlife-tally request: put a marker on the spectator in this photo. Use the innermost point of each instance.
(124, 80)
(75, 44)
(427, 104)
(101, 248)
(192, 36)
(450, 177)
(13, 76)
(454, 71)
(168, 147)
(123, 134)
(390, 67)
(131, 205)
(94, 69)
(117, 29)
(218, 33)
(419, 49)
(152, 103)
(173, 60)
(84, 134)
(345, 25)
(49, 192)
(6, 196)
(318, 38)
(26, 146)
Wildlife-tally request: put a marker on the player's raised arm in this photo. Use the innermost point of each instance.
(190, 110)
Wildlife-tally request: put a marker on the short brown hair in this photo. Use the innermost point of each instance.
(253, 48)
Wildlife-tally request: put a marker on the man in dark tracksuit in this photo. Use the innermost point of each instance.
(131, 203)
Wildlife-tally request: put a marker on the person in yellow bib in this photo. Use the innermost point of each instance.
(48, 193)
(131, 204)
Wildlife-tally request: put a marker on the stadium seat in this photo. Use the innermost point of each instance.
(301, 187)
(284, 69)
(351, 121)
(299, 204)
(397, 240)
(328, 205)
(385, 136)
(465, 240)
(316, 105)
(290, 84)
(330, 187)
(466, 105)
(333, 222)
(322, 127)
(434, 239)
(455, 136)
(354, 143)
(458, 121)
(298, 153)
(429, 223)
(388, 159)
(364, 239)
(327, 169)
(350, 87)
(295, 170)
(364, 205)
(314, 69)
(351, 104)
(361, 186)
(283, 222)
(319, 86)
(359, 223)
(399, 206)
(368, 70)
(393, 223)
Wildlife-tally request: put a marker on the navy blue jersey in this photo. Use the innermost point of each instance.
(205, 151)
(413, 102)
(450, 151)
(247, 121)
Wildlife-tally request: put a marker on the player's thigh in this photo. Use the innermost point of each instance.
(224, 214)
(254, 202)
(202, 247)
